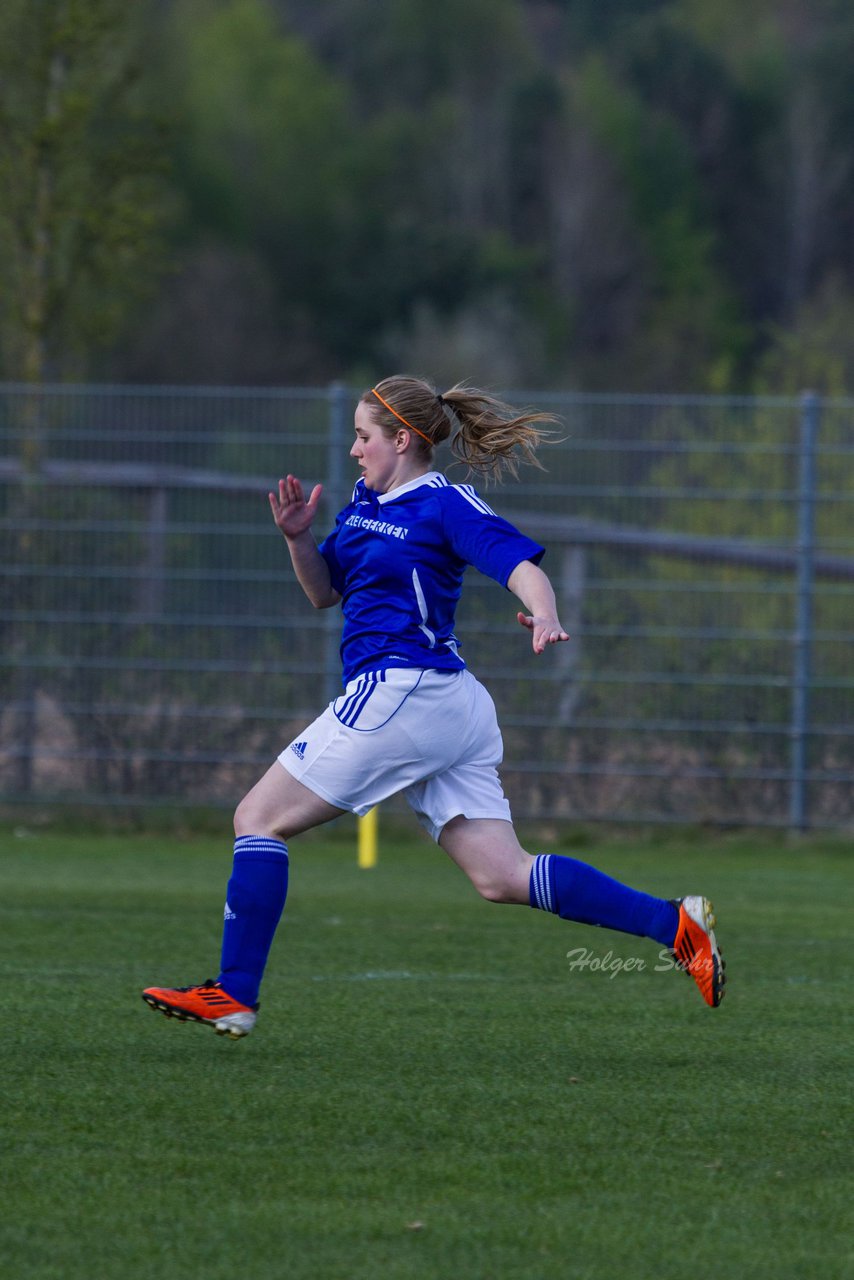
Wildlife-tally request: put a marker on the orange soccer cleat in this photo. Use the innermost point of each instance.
(207, 1003)
(696, 950)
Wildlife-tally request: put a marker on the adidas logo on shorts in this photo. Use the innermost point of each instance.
(298, 749)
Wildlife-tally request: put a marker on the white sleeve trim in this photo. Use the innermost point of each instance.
(475, 500)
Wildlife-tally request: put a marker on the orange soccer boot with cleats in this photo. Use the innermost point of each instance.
(206, 1003)
(696, 950)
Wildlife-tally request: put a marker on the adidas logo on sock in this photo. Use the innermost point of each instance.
(298, 749)
(228, 914)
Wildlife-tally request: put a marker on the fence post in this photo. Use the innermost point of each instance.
(568, 656)
(802, 639)
(23, 506)
(152, 586)
(334, 484)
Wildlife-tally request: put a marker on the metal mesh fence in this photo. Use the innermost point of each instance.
(156, 648)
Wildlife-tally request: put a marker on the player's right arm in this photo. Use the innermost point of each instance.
(293, 514)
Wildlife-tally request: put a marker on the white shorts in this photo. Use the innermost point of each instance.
(431, 734)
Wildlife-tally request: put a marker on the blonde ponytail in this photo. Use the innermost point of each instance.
(492, 437)
(487, 434)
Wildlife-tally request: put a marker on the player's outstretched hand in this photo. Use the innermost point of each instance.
(543, 630)
(292, 512)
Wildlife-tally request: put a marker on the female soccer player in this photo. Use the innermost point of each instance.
(412, 718)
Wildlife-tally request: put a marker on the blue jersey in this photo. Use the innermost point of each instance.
(397, 560)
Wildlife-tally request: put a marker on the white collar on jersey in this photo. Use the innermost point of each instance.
(430, 477)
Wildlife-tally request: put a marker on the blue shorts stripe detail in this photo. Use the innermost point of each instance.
(370, 685)
(353, 715)
(351, 699)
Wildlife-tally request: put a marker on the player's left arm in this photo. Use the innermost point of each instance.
(532, 586)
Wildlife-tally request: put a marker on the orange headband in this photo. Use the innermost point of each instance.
(400, 416)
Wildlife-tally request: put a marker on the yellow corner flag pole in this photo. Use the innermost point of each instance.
(368, 839)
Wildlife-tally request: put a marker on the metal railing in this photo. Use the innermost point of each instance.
(156, 648)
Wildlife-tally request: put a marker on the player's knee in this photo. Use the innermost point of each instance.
(495, 888)
(243, 820)
(250, 821)
(496, 893)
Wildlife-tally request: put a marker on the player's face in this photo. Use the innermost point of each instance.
(378, 456)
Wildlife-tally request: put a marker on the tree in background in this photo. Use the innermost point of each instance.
(81, 160)
(83, 205)
(562, 192)
(338, 192)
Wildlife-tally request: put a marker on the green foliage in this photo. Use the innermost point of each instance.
(816, 352)
(651, 189)
(266, 131)
(350, 214)
(81, 170)
(691, 314)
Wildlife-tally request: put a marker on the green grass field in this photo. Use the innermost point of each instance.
(431, 1091)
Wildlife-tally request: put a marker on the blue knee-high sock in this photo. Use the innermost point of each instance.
(255, 900)
(575, 891)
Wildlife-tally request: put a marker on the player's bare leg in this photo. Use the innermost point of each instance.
(488, 851)
(278, 805)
